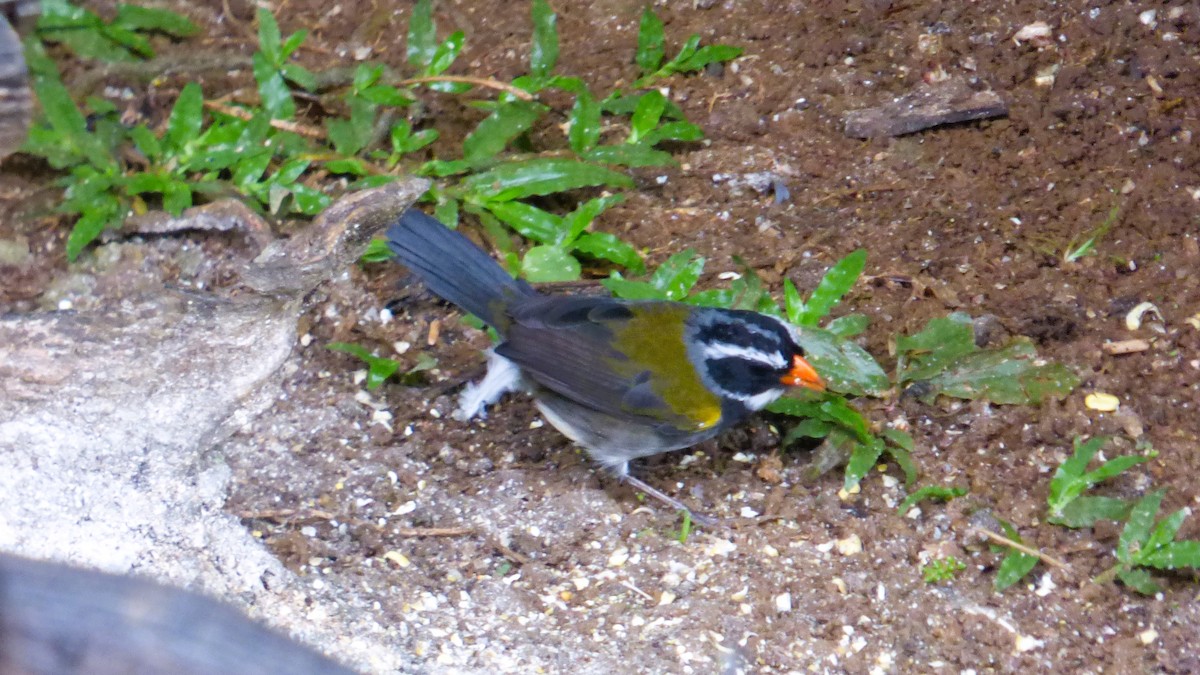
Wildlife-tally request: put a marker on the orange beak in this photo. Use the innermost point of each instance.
(804, 375)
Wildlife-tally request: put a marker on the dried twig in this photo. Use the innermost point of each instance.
(302, 129)
(1005, 541)
(477, 81)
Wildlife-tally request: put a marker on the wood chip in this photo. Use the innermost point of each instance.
(925, 107)
(1125, 346)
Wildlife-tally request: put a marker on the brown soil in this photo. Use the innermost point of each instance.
(564, 569)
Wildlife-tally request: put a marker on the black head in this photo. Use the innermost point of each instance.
(750, 357)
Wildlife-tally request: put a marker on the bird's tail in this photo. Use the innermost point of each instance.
(455, 268)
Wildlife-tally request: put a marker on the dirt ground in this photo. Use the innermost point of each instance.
(562, 568)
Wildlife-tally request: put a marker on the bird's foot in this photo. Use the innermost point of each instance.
(663, 497)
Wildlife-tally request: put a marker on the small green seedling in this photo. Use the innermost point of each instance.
(1147, 542)
(651, 50)
(273, 68)
(685, 527)
(379, 368)
(942, 570)
(1076, 250)
(938, 492)
(1068, 505)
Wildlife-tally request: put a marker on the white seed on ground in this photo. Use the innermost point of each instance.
(1102, 402)
(1148, 636)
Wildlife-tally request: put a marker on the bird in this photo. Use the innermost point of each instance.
(624, 379)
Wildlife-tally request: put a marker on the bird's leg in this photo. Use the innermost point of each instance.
(701, 519)
(502, 377)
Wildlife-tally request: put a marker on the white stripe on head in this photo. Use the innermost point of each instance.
(722, 350)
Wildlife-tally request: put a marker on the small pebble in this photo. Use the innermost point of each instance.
(783, 603)
(851, 545)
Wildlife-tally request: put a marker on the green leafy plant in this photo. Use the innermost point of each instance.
(262, 152)
(273, 69)
(942, 570)
(651, 50)
(1069, 506)
(1147, 542)
(379, 368)
(125, 38)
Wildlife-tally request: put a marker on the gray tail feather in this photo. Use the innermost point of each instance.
(454, 268)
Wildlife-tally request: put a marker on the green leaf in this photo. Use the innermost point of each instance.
(807, 428)
(938, 492)
(584, 122)
(378, 369)
(543, 54)
(1172, 556)
(146, 142)
(530, 221)
(445, 54)
(617, 103)
(269, 39)
(676, 276)
(187, 117)
(276, 96)
(1009, 375)
(1084, 511)
(839, 410)
(177, 196)
(629, 155)
(1163, 534)
(685, 52)
(1137, 528)
(422, 35)
(836, 283)
(300, 75)
(104, 211)
(943, 341)
(549, 263)
(631, 290)
(578, 220)
(845, 367)
(673, 131)
(1013, 568)
(646, 116)
(863, 457)
(848, 326)
(498, 129)
(650, 42)
(1139, 580)
(900, 448)
(140, 183)
(132, 17)
(377, 251)
(290, 45)
(708, 54)
(609, 247)
(530, 177)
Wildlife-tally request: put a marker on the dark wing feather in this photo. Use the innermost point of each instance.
(564, 344)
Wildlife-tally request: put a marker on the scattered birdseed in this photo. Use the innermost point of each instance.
(397, 558)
